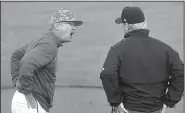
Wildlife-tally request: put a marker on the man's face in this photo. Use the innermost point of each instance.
(65, 31)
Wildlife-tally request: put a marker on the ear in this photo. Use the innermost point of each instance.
(145, 24)
(61, 27)
(127, 27)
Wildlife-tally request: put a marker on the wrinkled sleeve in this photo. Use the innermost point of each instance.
(16, 57)
(176, 80)
(109, 76)
(36, 58)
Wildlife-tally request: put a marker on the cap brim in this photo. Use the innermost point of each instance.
(119, 20)
(77, 22)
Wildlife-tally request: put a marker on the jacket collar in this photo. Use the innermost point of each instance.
(54, 38)
(138, 33)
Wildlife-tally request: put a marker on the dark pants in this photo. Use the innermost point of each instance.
(158, 111)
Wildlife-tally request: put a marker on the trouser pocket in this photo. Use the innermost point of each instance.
(19, 105)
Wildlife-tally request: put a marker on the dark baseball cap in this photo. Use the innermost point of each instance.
(131, 15)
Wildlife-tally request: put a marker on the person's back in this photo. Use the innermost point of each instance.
(144, 70)
(143, 73)
(143, 59)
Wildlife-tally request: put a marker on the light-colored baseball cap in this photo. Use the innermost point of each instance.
(64, 15)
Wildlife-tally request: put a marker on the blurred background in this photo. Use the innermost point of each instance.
(79, 88)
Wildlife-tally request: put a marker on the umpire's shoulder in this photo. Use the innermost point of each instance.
(162, 44)
(119, 44)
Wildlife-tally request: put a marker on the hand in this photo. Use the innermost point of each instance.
(31, 101)
(120, 109)
(18, 85)
(164, 108)
(14, 81)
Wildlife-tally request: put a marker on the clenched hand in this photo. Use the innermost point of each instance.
(31, 101)
(119, 109)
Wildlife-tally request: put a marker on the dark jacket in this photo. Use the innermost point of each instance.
(34, 65)
(137, 71)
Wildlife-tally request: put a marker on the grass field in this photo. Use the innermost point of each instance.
(80, 62)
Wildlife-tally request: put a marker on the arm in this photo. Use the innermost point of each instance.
(109, 77)
(176, 80)
(36, 58)
(15, 63)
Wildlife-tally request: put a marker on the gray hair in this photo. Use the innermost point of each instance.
(52, 26)
(131, 27)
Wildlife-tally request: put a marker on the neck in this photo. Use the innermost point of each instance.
(55, 37)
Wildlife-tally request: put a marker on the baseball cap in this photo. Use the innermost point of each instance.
(131, 15)
(64, 15)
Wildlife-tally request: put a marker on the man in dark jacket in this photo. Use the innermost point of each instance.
(141, 74)
(33, 66)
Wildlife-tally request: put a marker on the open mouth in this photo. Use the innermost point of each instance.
(71, 34)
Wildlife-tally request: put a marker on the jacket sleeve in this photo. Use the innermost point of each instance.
(176, 80)
(33, 60)
(109, 76)
(15, 63)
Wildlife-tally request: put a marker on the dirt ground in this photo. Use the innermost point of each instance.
(75, 100)
(80, 62)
